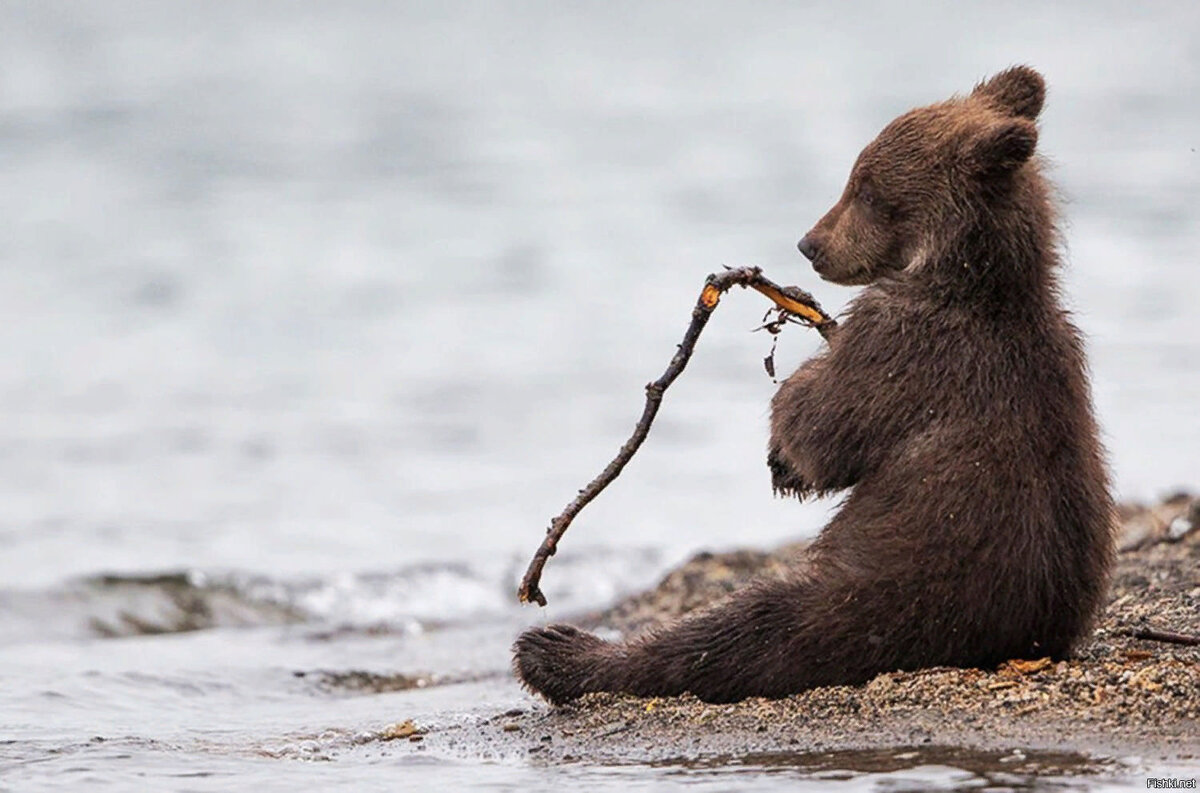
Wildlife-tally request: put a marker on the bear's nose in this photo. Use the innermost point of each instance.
(808, 247)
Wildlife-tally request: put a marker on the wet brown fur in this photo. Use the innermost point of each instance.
(953, 400)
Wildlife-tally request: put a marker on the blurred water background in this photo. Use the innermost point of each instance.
(314, 313)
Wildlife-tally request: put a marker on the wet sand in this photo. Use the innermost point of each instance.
(1120, 697)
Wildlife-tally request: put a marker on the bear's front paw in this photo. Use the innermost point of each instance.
(784, 479)
(560, 662)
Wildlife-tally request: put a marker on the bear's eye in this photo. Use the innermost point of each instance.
(869, 198)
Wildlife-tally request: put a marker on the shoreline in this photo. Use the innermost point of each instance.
(1118, 697)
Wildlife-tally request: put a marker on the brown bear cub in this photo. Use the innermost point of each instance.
(953, 400)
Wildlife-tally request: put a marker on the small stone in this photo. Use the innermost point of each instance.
(1178, 528)
(403, 729)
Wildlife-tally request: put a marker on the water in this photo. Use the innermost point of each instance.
(315, 313)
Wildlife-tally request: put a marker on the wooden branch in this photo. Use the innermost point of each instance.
(1150, 635)
(793, 305)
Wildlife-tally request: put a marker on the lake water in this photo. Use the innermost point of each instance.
(315, 313)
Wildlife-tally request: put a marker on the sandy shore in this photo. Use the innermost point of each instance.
(1121, 696)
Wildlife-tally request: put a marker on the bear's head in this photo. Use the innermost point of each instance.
(926, 175)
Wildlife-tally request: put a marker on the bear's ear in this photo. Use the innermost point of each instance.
(1001, 147)
(1019, 91)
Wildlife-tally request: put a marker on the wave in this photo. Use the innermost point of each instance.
(406, 600)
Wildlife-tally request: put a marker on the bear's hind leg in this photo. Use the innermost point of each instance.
(758, 642)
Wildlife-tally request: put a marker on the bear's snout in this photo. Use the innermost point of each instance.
(808, 246)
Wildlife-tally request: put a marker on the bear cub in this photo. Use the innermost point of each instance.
(952, 404)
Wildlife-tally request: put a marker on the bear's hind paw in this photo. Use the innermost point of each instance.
(560, 662)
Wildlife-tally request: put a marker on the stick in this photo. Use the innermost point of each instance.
(793, 305)
(1150, 635)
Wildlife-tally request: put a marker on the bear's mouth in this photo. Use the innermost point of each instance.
(859, 276)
